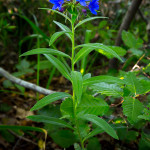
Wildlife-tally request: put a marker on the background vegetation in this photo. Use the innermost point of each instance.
(24, 27)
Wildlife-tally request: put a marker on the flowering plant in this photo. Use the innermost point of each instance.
(83, 105)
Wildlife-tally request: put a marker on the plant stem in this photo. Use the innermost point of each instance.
(74, 102)
(72, 62)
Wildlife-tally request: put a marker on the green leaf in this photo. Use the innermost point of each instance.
(101, 123)
(144, 143)
(77, 84)
(82, 53)
(146, 114)
(98, 46)
(58, 13)
(107, 89)
(59, 65)
(129, 39)
(103, 78)
(93, 144)
(144, 86)
(23, 128)
(93, 133)
(119, 50)
(50, 120)
(88, 19)
(63, 138)
(45, 51)
(136, 52)
(87, 76)
(64, 28)
(132, 108)
(66, 108)
(132, 83)
(49, 99)
(92, 105)
(56, 36)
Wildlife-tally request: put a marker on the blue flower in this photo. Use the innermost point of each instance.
(57, 4)
(82, 2)
(93, 5)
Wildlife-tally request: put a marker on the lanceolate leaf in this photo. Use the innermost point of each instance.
(107, 89)
(98, 46)
(58, 13)
(56, 36)
(103, 78)
(45, 51)
(132, 108)
(119, 50)
(77, 84)
(49, 99)
(50, 120)
(101, 123)
(59, 65)
(23, 128)
(88, 19)
(92, 105)
(64, 28)
(93, 133)
(82, 53)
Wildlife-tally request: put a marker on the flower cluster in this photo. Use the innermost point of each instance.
(92, 5)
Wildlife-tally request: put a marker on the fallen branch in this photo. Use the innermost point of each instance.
(25, 84)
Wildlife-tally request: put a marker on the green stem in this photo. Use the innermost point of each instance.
(74, 102)
(72, 62)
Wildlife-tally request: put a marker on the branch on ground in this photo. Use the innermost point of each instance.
(25, 84)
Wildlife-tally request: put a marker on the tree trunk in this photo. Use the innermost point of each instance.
(114, 63)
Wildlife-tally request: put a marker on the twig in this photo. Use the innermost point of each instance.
(21, 138)
(25, 84)
(136, 65)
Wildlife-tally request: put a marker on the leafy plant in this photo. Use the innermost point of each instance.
(82, 106)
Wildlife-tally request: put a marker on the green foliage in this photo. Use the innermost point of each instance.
(133, 43)
(94, 144)
(67, 108)
(56, 36)
(88, 19)
(144, 141)
(59, 65)
(146, 114)
(49, 99)
(132, 108)
(107, 89)
(64, 28)
(91, 105)
(97, 46)
(50, 120)
(77, 110)
(64, 138)
(77, 84)
(45, 51)
(101, 123)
